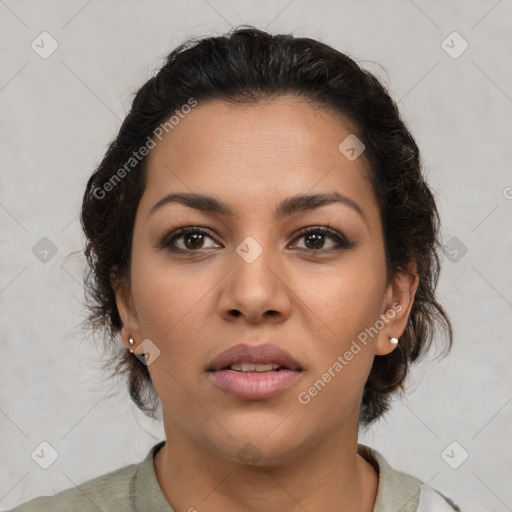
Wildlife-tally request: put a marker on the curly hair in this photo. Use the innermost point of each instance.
(248, 65)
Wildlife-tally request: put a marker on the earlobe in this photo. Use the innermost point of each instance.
(397, 308)
(125, 305)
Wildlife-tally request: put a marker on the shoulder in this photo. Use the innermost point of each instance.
(431, 500)
(112, 491)
(400, 491)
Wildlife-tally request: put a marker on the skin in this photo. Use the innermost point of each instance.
(194, 305)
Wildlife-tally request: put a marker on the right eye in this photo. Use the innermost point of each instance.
(188, 239)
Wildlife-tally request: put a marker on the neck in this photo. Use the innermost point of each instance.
(325, 476)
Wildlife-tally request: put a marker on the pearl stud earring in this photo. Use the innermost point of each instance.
(394, 341)
(131, 342)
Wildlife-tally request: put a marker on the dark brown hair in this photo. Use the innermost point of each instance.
(249, 65)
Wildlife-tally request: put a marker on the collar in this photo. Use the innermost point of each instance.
(146, 489)
(396, 490)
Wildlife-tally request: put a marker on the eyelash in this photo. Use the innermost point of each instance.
(167, 241)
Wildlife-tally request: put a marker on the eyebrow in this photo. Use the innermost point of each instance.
(287, 207)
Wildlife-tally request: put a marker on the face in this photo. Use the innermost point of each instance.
(255, 267)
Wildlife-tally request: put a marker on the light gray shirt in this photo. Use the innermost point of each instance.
(135, 488)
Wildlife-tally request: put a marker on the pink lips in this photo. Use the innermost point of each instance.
(254, 385)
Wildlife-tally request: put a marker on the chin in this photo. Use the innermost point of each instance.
(267, 442)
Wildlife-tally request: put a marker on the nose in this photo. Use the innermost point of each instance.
(255, 291)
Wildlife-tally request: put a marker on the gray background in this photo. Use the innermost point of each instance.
(59, 113)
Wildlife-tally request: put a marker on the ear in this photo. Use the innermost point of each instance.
(397, 305)
(127, 312)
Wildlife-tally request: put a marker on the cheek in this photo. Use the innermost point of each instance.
(347, 299)
(348, 303)
(168, 303)
(165, 295)
(171, 307)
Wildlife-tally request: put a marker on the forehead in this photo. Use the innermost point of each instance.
(242, 152)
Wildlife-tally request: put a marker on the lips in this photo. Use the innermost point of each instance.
(242, 356)
(254, 372)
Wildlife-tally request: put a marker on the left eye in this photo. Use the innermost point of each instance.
(314, 239)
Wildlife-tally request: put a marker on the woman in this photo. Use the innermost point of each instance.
(263, 242)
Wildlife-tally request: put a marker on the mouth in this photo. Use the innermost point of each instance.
(254, 372)
(248, 367)
(254, 358)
